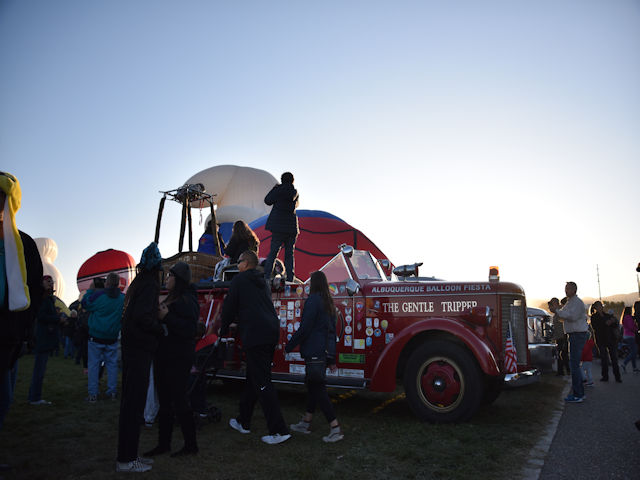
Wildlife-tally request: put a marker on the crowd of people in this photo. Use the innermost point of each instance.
(156, 337)
(578, 335)
(147, 338)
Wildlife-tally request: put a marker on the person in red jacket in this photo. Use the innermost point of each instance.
(587, 360)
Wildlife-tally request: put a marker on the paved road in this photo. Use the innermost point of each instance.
(597, 439)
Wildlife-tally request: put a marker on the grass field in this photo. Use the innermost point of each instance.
(75, 440)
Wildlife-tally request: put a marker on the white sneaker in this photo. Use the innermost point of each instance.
(301, 427)
(40, 402)
(275, 439)
(145, 460)
(335, 435)
(134, 466)
(235, 424)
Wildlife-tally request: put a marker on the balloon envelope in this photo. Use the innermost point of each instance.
(239, 191)
(48, 250)
(105, 262)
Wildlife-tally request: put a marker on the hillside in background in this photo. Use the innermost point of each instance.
(627, 298)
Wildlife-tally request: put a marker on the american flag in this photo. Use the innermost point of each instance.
(510, 357)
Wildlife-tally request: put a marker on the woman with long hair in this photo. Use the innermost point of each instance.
(629, 338)
(317, 339)
(242, 239)
(178, 315)
(139, 341)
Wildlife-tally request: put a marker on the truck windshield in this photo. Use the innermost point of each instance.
(365, 266)
(336, 270)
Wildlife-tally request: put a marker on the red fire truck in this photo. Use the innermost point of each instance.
(444, 341)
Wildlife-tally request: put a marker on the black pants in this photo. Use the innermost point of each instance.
(563, 355)
(258, 387)
(317, 395)
(172, 381)
(135, 382)
(289, 242)
(609, 352)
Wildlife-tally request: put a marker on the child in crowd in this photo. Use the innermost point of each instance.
(587, 360)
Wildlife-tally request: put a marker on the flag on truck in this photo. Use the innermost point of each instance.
(510, 357)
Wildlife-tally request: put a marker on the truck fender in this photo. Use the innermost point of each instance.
(383, 378)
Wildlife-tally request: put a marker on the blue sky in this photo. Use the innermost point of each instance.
(462, 134)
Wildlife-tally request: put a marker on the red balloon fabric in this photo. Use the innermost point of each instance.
(321, 235)
(105, 262)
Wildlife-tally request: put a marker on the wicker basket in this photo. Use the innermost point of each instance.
(202, 264)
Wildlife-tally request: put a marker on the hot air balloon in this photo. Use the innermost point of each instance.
(48, 253)
(105, 262)
(238, 192)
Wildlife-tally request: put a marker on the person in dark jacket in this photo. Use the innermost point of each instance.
(283, 224)
(47, 334)
(140, 333)
(20, 294)
(68, 332)
(602, 324)
(242, 238)
(172, 364)
(317, 339)
(249, 303)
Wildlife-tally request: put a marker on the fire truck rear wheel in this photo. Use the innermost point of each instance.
(443, 383)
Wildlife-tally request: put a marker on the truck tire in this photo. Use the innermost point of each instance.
(443, 383)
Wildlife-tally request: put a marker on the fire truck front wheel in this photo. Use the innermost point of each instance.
(443, 383)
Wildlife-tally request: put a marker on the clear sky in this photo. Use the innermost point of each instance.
(462, 134)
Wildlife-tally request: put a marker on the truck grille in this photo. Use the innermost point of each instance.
(513, 311)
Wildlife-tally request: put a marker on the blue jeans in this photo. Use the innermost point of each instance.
(576, 344)
(7, 387)
(108, 354)
(289, 242)
(39, 367)
(633, 351)
(69, 348)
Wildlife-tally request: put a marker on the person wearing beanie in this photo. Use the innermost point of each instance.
(283, 224)
(178, 315)
(140, 334)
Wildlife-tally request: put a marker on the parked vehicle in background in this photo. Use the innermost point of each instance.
(542, 349)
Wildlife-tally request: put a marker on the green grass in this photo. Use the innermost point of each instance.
(75, 440)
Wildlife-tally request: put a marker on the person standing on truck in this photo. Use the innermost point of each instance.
(140, 333)
(317, 339)
(603, 324)
(283, 224)
(249, 303)
(574, 316)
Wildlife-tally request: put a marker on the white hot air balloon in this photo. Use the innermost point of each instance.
(48, 253)
(239, 191)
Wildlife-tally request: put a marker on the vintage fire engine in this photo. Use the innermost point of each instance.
(444, 341)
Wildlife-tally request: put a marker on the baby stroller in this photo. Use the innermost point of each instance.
(209, 358)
